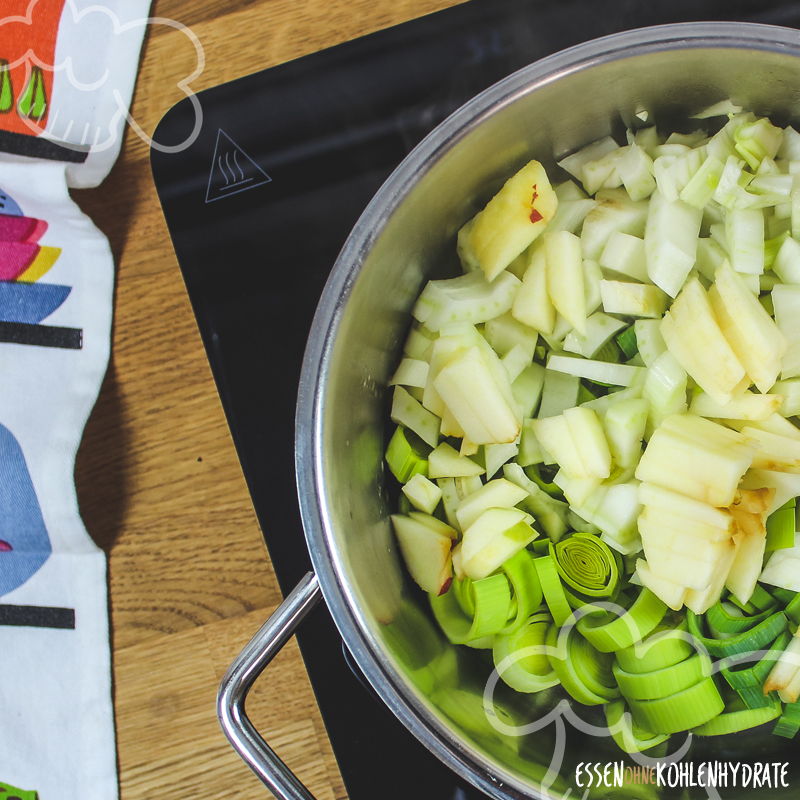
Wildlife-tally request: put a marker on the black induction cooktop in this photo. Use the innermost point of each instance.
(258, 207)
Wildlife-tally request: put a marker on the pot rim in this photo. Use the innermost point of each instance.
(388, 683)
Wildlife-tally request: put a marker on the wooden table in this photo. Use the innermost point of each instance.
(159, 484)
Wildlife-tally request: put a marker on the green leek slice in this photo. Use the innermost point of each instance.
(667, 645)
(407, 455)
(552, 589)
(587, 564)
(663, 682)
(784, 596)
(725, 621)
(492, 603)
(530, 671)
(584, 672)
(739, 720)
(792, 609)
(609, 632)
(679, 712)
(789, 722)
(524, 579)
(781, 528)
(627, 342)
(756, 673)
(625, 732)
(754, 697)
(756, 638)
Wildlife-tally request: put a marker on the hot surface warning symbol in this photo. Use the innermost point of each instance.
(233, 171)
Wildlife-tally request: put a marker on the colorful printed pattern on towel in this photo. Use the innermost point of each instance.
(24, 303)
(24, 543)
(28, 43)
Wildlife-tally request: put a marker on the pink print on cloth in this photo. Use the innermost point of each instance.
(24, 301)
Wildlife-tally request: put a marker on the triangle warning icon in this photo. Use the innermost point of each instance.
(233, 171)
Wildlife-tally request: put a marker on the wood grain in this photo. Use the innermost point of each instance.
(158, 481)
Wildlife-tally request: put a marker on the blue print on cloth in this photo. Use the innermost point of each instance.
(30, 302)
(24, 543)
(9, 206)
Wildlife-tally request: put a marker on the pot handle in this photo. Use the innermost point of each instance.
(241, 675)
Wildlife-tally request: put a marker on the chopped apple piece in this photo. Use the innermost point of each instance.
(599, 330)
(777, 453)
(633, 299)
(498, 493)
(683, 569)
(649, 339)
(746, 566)
(671, 522)
(407, 411)
(747, 407)
(783, 569)
(700, 601)
(434, 524)
(655, 535)
(554, 435)
(624, 254)
(587, 432)
(578, 490)
(445, 462)
(426, 554)
(471, 392)
(664, 500)
(624, 426)
(615, 510)
(751, 332)
(614, 212)
(512, 219)
(664, 390)
(696, 464)
(532, 305)
(422, 493)
(786, 668)
(493, 538)
(785, 484)
(562, 251)
(666, 590)
(444, 350)
(786, 301)
(693, 336)
(670, 242)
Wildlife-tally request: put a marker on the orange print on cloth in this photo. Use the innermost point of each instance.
(28, 33)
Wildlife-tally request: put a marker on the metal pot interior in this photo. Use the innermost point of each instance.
(406, 236)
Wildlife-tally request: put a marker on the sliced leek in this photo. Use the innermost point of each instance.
(679, 712)
(663, 682)
(584, 672)
(521, 657)
(608, 631)
(552, 589)
(587, 564)
(626, 733)
(738, 720)
(663, 648)
(756, 638)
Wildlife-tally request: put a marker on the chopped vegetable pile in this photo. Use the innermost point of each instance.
(603, 410)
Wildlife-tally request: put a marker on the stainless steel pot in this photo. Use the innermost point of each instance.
(406, 235)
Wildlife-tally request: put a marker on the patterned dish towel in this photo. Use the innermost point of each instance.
(67, 69)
